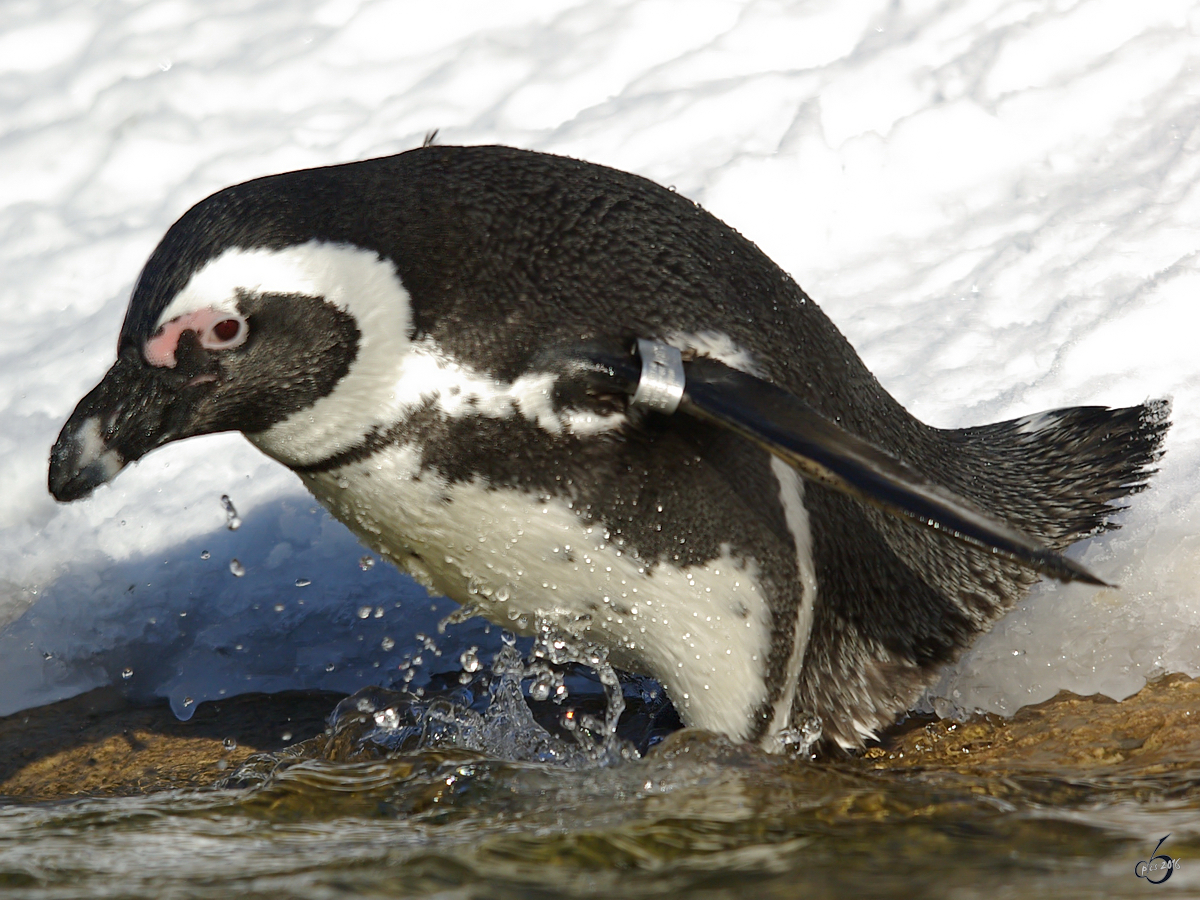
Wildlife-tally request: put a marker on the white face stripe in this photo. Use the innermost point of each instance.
(791, 495)
(703, 631)
(391, 375)
(350, 278)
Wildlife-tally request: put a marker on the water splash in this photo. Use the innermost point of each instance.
(802, 738)
(515, 709)
(557, 648)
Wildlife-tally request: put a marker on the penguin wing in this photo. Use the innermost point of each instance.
(656, 379)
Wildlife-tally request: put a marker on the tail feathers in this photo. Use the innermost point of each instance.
(1057, 474)
(890, 615)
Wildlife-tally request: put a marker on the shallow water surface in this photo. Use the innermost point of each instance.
(357, 813)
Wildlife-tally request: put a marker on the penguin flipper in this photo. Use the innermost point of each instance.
(824, 452)
(820, 449)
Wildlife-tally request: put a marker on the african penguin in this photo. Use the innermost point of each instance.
(405, 334)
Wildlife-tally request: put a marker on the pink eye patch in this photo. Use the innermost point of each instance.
(215, 329)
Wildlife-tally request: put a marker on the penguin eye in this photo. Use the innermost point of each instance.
(225, 334)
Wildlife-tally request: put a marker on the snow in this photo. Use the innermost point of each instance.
(995, 200)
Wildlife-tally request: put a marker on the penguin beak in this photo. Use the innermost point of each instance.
(133, 410)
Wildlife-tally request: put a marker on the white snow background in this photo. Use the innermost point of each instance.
(995, 200)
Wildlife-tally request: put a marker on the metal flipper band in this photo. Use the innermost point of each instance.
(660, 389)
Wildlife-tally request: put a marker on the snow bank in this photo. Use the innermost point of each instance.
(996, 201)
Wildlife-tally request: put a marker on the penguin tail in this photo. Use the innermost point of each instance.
(899, 601)
(1060, 474)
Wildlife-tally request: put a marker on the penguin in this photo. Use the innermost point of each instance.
(571, 399)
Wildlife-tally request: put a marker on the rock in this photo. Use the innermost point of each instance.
(100, 744)
(1156, 730)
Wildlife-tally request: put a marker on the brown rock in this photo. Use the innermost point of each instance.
(1156, 730)
(99, 744)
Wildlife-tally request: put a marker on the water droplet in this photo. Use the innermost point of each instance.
(542, 686)
(470, 660)
(237, 568)
(329, 667)
(187, 701)
(379, 612)
(204, 554)
(364, 704)
(232, 521)
(127, 672)
(366, 562)
(286, 736)
(303, 582)
(387, 718)
(364, 612)
(229, 743)
(509, 639)
(387, 643)
(278, 607)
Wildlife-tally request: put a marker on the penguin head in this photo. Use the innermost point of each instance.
(239, 321)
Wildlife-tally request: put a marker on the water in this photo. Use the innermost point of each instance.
(695, 817)
(464, 790)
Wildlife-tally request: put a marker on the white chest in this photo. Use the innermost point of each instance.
(703, 631)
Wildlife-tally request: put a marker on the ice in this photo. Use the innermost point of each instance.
(996, 200)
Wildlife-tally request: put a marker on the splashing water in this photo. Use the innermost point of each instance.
(559, 649)
(802, 738)
(513, 710)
